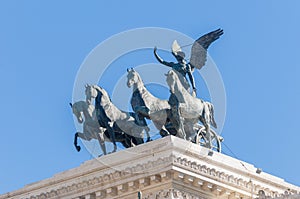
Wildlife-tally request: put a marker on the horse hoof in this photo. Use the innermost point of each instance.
(78, 148)
(149, 140)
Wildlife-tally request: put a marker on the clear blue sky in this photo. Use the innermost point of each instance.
(43, 43)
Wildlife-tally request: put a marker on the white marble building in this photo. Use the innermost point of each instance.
(166, 168)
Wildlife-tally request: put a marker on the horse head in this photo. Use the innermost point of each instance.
(132, 77)
(90, 92)
(171, 80)
(77, 109)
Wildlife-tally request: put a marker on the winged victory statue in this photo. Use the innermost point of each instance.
(197, 59)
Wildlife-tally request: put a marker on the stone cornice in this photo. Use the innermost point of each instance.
(167, 160)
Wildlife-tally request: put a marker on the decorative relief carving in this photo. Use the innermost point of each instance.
(286, 195)
(172, 194)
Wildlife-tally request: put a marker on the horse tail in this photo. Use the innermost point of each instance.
(212, 118)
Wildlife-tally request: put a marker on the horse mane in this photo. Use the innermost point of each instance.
(142, 90)
(106, 107)
(139, 77)
(103, 91)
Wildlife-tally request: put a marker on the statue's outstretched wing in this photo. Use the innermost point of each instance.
(200, 46)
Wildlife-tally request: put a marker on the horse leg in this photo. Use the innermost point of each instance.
(146, 128)
(132, 144)
(142, 111)
(78, 134)
(127, 141)
(137, 135)
(162, 120)
(205, 122)
(189, 129)
(103, 146)
(207, 117)
(180, 127)
(159, 122)
(112, 135)
(208, 136)
(163, 131)
(101, 140)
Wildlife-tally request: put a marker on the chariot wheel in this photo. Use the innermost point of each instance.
(202, 140)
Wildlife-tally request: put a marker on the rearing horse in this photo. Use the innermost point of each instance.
(145, 104)
(91, 128)
(114, 119)
(189, 107)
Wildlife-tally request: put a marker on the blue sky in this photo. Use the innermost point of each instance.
(43, 43)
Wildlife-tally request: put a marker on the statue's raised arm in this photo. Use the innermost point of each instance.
(160, 60)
